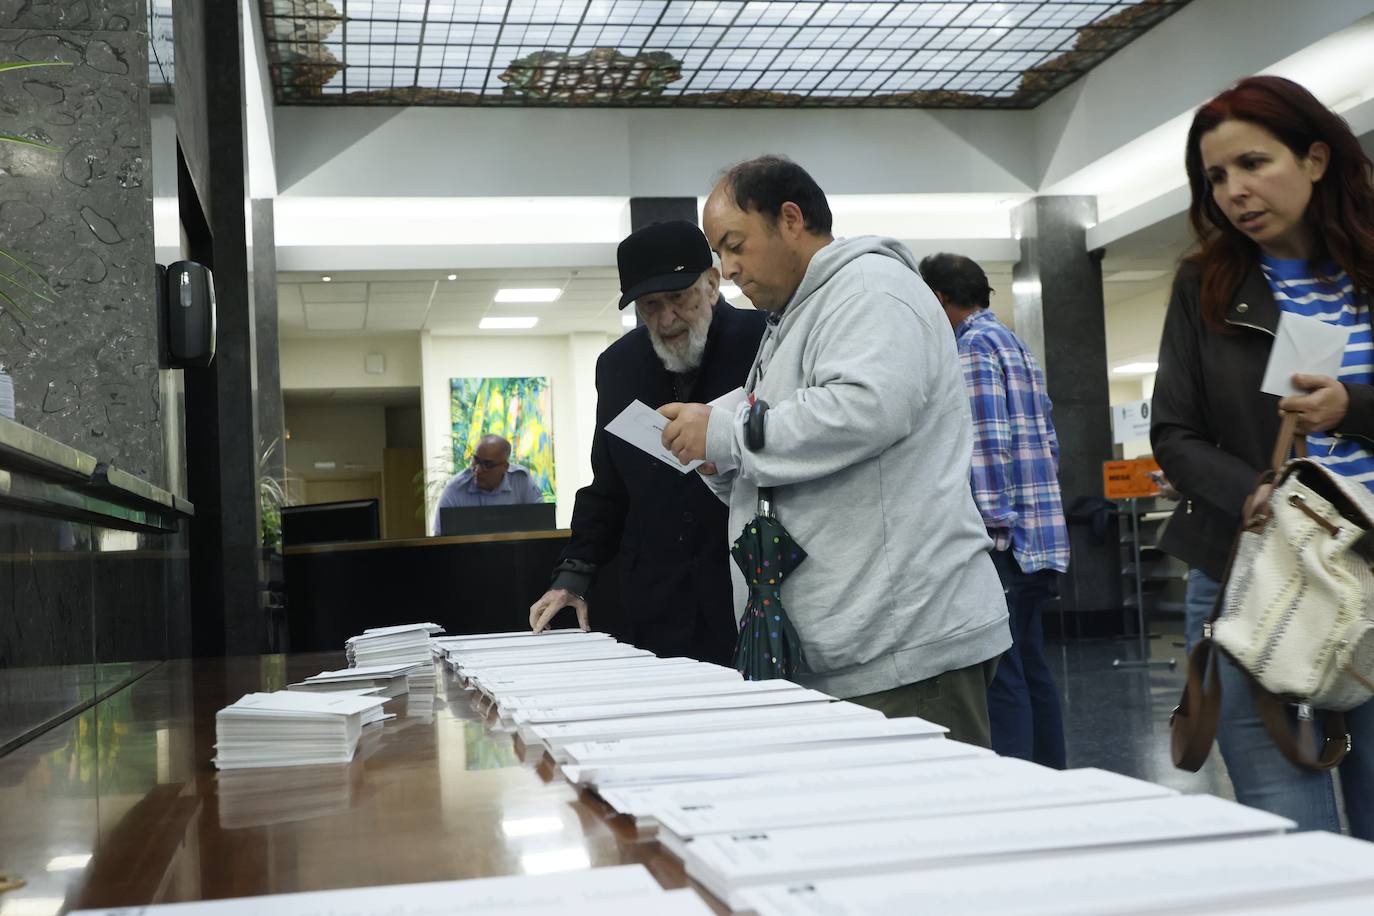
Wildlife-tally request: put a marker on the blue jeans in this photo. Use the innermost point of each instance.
(1262, 776)
(1023, 701)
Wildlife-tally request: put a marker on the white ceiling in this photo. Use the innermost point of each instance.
(365, 303)
(375, 303)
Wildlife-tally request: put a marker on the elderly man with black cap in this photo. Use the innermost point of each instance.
(668, 528)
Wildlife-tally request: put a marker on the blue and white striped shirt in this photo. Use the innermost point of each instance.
(1324, 291)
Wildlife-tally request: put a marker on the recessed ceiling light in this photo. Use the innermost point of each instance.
(541, 294)
(729, 290)
(628, 321)
(326, 278)
(507, 323)
(1134, 276)
(453, 276)
(1135, 368)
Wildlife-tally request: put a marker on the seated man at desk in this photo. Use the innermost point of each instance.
(491, 480)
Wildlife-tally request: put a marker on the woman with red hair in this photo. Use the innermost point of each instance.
(1283, 209)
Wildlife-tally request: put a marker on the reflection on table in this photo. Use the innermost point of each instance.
(121, 806)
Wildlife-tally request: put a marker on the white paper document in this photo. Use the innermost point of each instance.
(642, 426)
(629, 787)
(919, 796)
(615, 890)
(727, 864)
(1182, 877)
(691, 748)
(745, 695)
(555, 735)
(1307, 345)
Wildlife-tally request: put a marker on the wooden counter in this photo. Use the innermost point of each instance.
(432, 795)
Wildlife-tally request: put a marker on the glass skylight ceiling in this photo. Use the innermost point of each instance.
(693, 53)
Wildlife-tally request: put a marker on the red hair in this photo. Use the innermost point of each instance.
(1341, 212)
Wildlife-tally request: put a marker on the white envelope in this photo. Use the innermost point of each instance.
(642, 426)
(1307, 345)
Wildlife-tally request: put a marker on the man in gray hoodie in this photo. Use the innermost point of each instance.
(867, 447)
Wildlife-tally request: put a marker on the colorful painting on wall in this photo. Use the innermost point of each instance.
(520, 409)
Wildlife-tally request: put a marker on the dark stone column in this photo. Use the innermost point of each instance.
(221, 416)
(645, 211)
(79, 333)
(1057, 290)
(271, 426)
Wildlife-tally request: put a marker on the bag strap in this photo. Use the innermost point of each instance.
(1273, 713)
(1193, 725)
(1288, 440)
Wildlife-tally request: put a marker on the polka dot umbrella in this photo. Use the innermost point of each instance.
(768, 644)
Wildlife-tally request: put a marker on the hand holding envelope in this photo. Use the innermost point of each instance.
(1302, 370)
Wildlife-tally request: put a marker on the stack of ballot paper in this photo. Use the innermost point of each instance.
(293, 728)
(407, 644)
(380, 680)
(729, 864)
(1232, 876)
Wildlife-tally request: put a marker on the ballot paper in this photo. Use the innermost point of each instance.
(555, 735)
(720, 795)
(688, 748)
(543, 689)
(1181, 877)
(510, 673)
(624, 889)
(925, 796)
(629, 788)
(1307, 345)
(745, 694)
(628, 692)
(727, 864)
(468, 668)
(290, 728)
(389, 680)
(642, 426)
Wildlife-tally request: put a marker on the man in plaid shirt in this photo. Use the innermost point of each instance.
(1016, 485)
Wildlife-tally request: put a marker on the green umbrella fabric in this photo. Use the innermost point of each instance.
(768, 644)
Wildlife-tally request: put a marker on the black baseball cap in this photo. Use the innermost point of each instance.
(661, 258)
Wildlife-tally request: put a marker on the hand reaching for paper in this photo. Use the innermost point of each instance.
(685, 435)
(1322, 408)
(554, 600)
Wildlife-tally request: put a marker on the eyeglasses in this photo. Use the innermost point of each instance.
(485, 464)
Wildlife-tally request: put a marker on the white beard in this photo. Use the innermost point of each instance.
(684, 355)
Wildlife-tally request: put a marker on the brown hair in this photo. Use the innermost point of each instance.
(1341, 212)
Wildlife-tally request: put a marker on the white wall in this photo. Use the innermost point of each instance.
(569, 363)
(352, 437)
(338, 362)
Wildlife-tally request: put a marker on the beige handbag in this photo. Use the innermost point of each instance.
(1295, 613)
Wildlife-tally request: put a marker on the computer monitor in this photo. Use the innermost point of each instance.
(352, 520)
(496, 519)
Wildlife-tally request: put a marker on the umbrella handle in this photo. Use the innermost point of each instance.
(753, 424)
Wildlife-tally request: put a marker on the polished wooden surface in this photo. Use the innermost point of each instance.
(432, 795)
(436, 541)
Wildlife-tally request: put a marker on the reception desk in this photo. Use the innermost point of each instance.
(121, 806)
(477, 583)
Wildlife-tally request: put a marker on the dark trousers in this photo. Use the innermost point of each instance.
(957, 699)
(1023, 701)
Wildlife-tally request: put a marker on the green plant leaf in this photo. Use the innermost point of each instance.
(24, 141)
(30, 64)
(14, 306)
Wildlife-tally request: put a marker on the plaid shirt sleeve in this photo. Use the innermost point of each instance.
(992, 440)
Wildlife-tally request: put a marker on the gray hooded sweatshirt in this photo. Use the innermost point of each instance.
(868, 443)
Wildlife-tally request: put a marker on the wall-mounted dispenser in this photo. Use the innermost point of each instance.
(187, 296)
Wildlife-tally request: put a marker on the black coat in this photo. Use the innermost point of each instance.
(1212, 429)
(668, 528)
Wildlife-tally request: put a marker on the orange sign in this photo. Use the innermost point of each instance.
(1124, 479)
